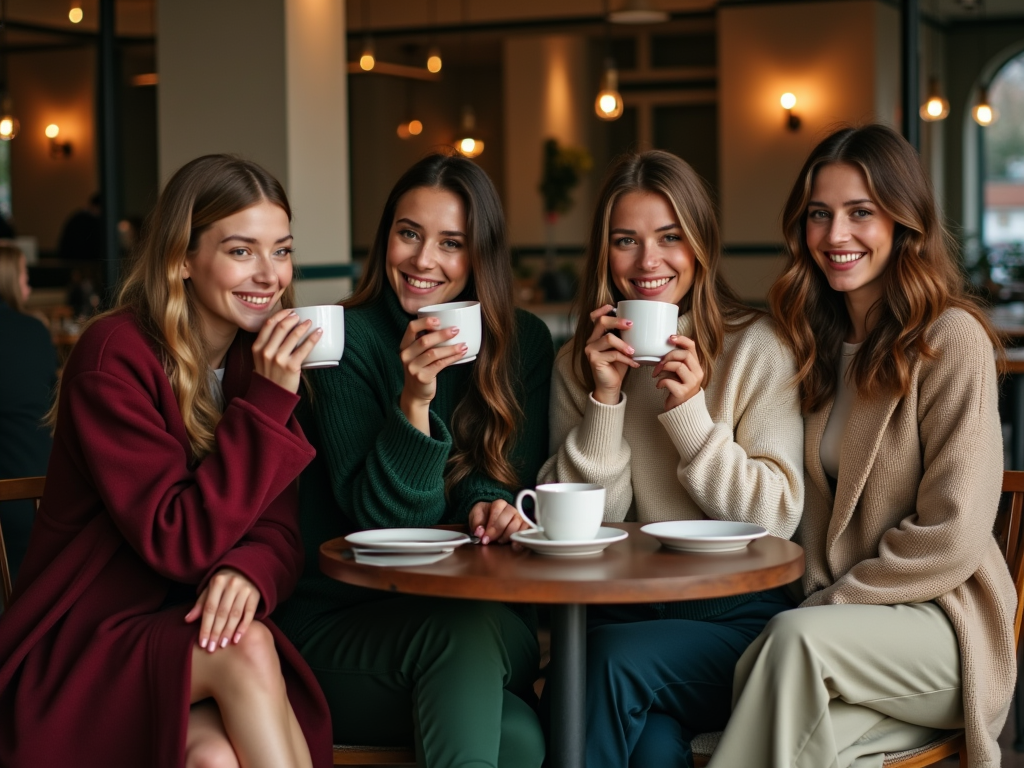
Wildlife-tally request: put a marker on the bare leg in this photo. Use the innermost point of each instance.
(207, 744)
(246, 682)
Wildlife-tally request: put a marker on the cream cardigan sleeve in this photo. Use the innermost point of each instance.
(587, 444)
(749, 469)
(942, 544)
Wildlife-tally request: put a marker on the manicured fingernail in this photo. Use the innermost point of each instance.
(211, 647)
(463, 347)
(293, 314)
(202, 643)
(318, 331)
(628, 322)
(479, 532)
(630, 350)
(453, 330)
(485, 539)
(238, 636)
(224, 643)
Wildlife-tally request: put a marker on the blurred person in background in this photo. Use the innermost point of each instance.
(26, 390)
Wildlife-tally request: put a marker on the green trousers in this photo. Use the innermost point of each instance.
(451, 677)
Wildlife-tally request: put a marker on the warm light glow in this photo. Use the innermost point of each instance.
(52, 130)
(434, 60)
(470, 147)
(608, 105)
(415, 127)
(936, 108)
(984, 114)
(788, 101)
(8, 128)
(366, 61)
(75, 14)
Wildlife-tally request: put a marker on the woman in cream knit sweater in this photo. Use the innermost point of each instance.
(907, 623)
(712, 430)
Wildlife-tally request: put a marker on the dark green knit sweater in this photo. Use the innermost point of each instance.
(374, 469)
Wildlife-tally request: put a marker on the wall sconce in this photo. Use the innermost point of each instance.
(9, 124)
(57, 148)
(788, 101)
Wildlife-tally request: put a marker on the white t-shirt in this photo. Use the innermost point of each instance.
(846, 393)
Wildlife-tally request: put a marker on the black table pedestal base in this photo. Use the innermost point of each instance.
(568, 681)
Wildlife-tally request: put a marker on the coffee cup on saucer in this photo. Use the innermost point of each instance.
(653, 323)
(328, 350)
(565, 511)
(464, 315)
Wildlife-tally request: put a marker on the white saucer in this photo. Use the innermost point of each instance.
(395, 561)
(704, 535)
(423, 540)
(534, 540)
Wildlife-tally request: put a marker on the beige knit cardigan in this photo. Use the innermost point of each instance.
(912, 517)
(731, 452)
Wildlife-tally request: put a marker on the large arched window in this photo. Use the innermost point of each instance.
(1003, 168)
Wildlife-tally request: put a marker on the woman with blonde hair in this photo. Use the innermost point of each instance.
(906, 624)
(713, 430)
(26, 393)
(412, 433)
(138, 632)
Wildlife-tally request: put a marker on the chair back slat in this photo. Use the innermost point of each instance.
(17, 489)
(1009, 530)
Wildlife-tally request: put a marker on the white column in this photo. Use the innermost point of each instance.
(266, 79)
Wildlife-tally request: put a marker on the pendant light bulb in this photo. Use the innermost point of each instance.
(368, 58)
(608, 104)
(470, 146)
(434, 60)
(75, 14)
(9, 124)
(936, 107)
(984, 113)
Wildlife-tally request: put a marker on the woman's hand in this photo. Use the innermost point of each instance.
(227, 606)
(679, 372)
(422, 360)
(277, 354)
(495, 521)
(609, 355)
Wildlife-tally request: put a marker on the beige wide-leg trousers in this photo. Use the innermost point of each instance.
(837, 686)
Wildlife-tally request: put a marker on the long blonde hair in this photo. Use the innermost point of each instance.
(715, 307)
(11, 259)
(201, 193)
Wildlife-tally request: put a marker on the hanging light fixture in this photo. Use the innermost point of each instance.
(637, 12)
(9, 124)
(434, 59)
(469, 146)
(984, 113)
(608, 104)
(75, 13)
(368, 57)
(936, 107)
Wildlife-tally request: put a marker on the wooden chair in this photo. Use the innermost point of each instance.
(345, 755)
(1010, 536)
(18, 489)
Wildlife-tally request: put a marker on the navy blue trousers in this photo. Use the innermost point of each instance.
(653, 684)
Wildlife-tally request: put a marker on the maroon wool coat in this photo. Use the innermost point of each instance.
(95, 655)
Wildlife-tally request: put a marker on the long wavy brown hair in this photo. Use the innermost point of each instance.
(715, 307)
(921, 279)
(488, 416)
(12, 260)
(201, 193)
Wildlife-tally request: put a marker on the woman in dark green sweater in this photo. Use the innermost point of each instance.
(406, 436)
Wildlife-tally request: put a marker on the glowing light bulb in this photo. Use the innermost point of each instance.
(8, 127)
(415, 127)
(788, 101)
(75, 14)
(608, 104)
(52, 130)
(434, 60)
(366, 61)
(984, 114)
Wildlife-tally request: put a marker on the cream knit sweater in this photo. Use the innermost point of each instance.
(912, 516)
(731, 452)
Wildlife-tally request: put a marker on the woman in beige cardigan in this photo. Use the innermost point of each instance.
(712, 430)
(906, 627)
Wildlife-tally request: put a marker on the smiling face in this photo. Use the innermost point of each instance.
(428, 250)
(241, 266)
(848, 234)
(648, 255)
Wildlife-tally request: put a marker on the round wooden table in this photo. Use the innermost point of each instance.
(637, 570)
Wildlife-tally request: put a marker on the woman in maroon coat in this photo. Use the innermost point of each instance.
(172, 476)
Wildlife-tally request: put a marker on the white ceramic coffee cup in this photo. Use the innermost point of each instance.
(653, 323)
(464, 315)
(328, 350)
(565, 511)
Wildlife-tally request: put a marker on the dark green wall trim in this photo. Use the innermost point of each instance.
(323, 271)
(766, 249)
